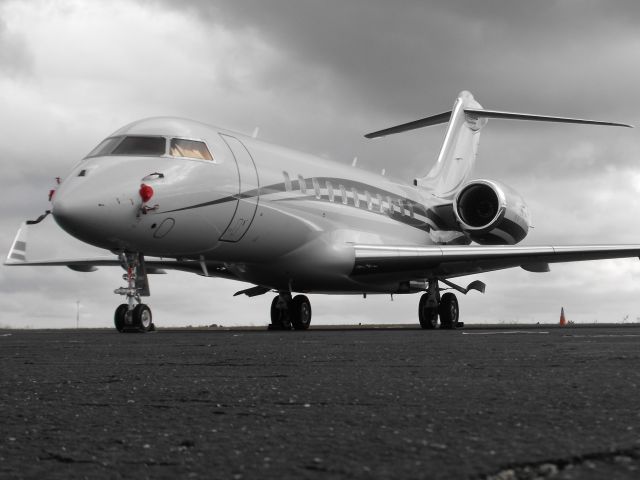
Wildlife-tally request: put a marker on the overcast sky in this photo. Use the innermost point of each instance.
(316, 76)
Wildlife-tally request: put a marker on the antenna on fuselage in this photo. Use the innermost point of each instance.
(355, 161)
(255, 132)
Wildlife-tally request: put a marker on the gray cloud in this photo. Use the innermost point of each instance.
(15, 57)
(399, 56)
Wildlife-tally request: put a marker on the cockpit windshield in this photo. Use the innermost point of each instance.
(151, 146)
(131, 145)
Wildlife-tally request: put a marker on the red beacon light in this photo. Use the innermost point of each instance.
(146, 192)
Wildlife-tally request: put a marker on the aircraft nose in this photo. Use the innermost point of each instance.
(88, 210)
(72, 214)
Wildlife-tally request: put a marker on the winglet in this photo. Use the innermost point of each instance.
(18, 252)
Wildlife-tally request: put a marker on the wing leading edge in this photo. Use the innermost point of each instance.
(454, 261)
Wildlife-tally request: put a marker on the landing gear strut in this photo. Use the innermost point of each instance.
(287, 312)
(133, 316)
(432, 305)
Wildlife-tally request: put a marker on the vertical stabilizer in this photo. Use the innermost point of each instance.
(459, 150)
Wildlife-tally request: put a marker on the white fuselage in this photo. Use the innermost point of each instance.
(271, 215)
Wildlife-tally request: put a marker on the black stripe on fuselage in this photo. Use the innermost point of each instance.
(437, 215)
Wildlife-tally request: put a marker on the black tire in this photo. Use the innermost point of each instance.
(449, 311)
(279, 317)
(300, 312)
(428, 316)
(142, 318)
(119, 317)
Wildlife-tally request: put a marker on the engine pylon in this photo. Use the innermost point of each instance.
(563, 320)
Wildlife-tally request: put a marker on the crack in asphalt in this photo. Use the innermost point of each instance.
(66, 459)
(551, 467)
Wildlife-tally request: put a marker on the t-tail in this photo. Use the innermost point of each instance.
(460, 147)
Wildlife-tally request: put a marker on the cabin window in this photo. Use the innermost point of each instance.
(411, 210)
(369, 200)
(316, 187)
(330, 191)
(302, 184)
(287, 181)
(356, 198)
(183, 148)
(343, 194)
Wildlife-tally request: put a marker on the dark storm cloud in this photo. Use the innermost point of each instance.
(368, 65)
(418, 55)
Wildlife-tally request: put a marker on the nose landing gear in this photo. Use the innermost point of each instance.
(133, 316)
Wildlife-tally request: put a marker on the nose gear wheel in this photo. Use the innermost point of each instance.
(133, 316)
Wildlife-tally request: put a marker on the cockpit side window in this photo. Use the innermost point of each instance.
(189, 149)
(105, 147)
(152, 146)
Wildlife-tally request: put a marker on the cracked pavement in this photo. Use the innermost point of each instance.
(476, 403)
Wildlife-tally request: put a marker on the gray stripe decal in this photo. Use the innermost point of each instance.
(18, 256)
(20, 246)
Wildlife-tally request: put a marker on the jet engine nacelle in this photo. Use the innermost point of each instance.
(491, 213)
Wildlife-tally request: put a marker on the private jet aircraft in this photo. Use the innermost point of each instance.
(169, 193)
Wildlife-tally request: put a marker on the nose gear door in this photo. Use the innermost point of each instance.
(248, 191)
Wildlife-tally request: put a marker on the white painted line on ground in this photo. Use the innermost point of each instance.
(6, 334)
(503, 333)
(605, 336)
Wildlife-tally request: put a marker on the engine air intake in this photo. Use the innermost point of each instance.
(490, 213)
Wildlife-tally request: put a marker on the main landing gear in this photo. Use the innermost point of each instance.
(432, 306)
(133, 316)
(287, 312)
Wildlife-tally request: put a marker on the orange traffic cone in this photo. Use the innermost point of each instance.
(563, 321)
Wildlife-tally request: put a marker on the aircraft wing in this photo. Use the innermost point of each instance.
(33, 247)
(454, 261)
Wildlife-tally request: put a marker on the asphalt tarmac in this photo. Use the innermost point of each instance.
(496, 403)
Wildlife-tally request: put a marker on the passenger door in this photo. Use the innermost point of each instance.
(248, 190)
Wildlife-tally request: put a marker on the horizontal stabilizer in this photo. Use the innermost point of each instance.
(539, 118)
(482, 113)
(423, 122)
